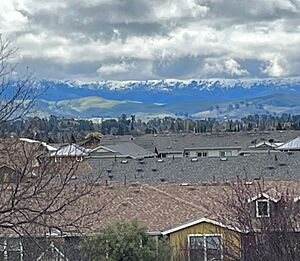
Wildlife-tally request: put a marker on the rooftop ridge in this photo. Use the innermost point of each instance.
(176, 198)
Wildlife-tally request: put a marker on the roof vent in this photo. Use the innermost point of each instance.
(110, 187)
(125, 203)
(194, 159)
(154, 169)
(282, 164)
(160, 160)
(135, 184)
(139, 170)
(136, 190)
(162, 179)
(141, 162)
(223, 159)
(124, 161)
(108, 170)
(184, 184)
(270, 167)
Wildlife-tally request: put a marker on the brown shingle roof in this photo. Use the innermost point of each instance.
(161, 206)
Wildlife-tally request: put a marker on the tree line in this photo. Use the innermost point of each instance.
(55, 129)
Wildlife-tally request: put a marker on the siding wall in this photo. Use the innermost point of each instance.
(230, 240)
(211, 153)
(175, 155)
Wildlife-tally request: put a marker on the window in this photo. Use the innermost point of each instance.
(79, 158)
(11, 249)
(186, 154)
(224, 154)
(202, 154)
(262, 208)
(205, 247)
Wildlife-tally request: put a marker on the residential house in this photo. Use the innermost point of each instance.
(222, 152)
(170, 144)
(204, 239)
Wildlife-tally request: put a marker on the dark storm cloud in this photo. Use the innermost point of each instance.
(142, 39)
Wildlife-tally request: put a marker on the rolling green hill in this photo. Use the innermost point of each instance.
(91, 107)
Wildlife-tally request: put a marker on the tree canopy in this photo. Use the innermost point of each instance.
(122, 241)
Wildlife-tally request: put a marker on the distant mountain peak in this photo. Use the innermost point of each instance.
(167, 85)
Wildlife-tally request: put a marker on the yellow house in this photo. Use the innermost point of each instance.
(204, 240)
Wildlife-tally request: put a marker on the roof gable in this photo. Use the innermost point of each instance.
(70, 150)
(271, 194)
(196, 222)
(291, 145)
(129, 149)
(264, 144)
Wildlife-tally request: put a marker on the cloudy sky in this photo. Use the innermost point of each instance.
(154, 39)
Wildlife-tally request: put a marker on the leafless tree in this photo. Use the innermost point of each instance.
(272, 235)
(37, 193)
(17, 92)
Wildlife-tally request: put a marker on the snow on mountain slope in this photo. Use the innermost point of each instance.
(169, 91)
(171, 84)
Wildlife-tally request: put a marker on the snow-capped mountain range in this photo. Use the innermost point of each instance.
(181, 97)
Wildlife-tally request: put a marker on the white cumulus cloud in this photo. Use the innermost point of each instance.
(143, 39)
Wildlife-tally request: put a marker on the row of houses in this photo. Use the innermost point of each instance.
(181, 198)
(136, 148)
(191, 216)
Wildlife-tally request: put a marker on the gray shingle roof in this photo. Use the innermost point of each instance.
(129, 149)
(278, 165)
(176, 142)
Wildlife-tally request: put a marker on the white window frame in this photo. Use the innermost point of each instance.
(5, 252)
(205, 245)
(268, 208)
